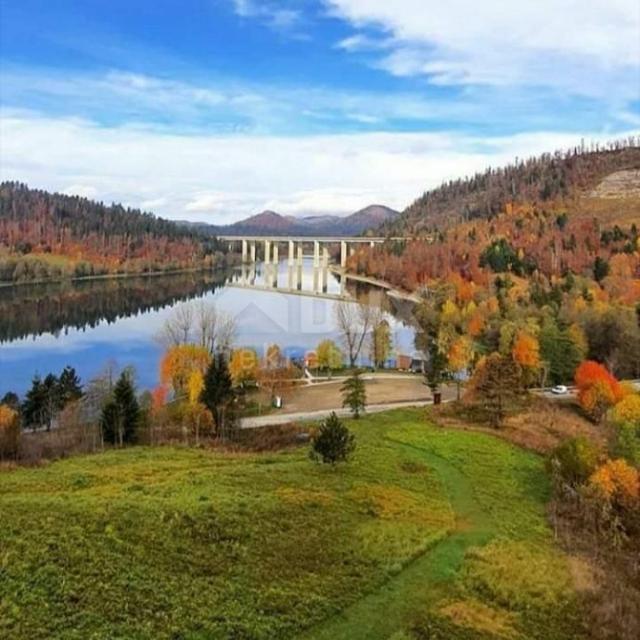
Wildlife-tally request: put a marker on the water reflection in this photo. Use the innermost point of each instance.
(292, 278)
(32, 310)
(85, 324)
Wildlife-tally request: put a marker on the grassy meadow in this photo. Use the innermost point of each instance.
(426, 533)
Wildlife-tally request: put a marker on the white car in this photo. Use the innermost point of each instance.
(559, 390)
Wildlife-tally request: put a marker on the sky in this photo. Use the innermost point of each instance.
(213, 110)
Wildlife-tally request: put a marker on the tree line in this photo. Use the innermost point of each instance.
(39, 229)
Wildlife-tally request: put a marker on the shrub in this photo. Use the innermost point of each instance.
(9, 432)
(618, 482)
(626, 442)
(333, 442)
(576, 459)
(627, 410)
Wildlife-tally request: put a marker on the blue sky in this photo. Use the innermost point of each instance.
(215, 109)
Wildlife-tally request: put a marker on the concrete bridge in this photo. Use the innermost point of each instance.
(295, 245)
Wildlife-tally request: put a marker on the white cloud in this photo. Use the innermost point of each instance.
(361, 42)
(276, 17)
(222, 178)
(152, 204)
(584, 47)
(83, 190)
(233, 106)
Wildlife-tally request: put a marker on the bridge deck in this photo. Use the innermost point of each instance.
(325, 239)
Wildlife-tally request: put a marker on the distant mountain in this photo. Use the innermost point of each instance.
(270, 222)
(370, 217)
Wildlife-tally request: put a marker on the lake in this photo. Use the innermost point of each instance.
(87, 324)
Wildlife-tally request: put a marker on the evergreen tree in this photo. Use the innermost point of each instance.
(69, 385)
(600, 269)
(41, 402)
(53, 402)
(354, 393)
(121, 415)
(333, 442)
(218, 394)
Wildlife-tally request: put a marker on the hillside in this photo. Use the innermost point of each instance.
(272, 223)
(428, 530)
(51, 235)
(574, 213)
(569, 179)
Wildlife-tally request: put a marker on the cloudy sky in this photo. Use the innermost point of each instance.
(216, 109)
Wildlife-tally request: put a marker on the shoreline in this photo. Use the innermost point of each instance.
(113, 276)
(374, 282)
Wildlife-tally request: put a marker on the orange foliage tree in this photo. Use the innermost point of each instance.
(598, 390)
(9, 432)
(526, 350)
(617, 481)
(459, 357)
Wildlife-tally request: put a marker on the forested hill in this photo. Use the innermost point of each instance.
(45, 235)
(562, 178)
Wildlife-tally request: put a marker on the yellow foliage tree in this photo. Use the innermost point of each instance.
(178, 365)
(450, 312)
(195, 386)
(627, 410)
(578, 337)
(329, 355)
(243, 366)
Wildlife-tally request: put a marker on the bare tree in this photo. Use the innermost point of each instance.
(354, 320)
(199, 323)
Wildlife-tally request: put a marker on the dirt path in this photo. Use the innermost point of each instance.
(380, 614)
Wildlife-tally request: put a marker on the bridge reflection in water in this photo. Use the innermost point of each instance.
(300, 278)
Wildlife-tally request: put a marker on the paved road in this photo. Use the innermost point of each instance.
(307, 416)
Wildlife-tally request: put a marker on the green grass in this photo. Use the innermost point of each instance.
(427, 533)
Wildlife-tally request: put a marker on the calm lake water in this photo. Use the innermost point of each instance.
(87, 324)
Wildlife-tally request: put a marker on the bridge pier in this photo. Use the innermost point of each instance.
(295, 245)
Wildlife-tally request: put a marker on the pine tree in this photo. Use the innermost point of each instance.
(34, 405)
(333, 443)
(354, 394)
(69, 385)
(121, 415)
(218, 395)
